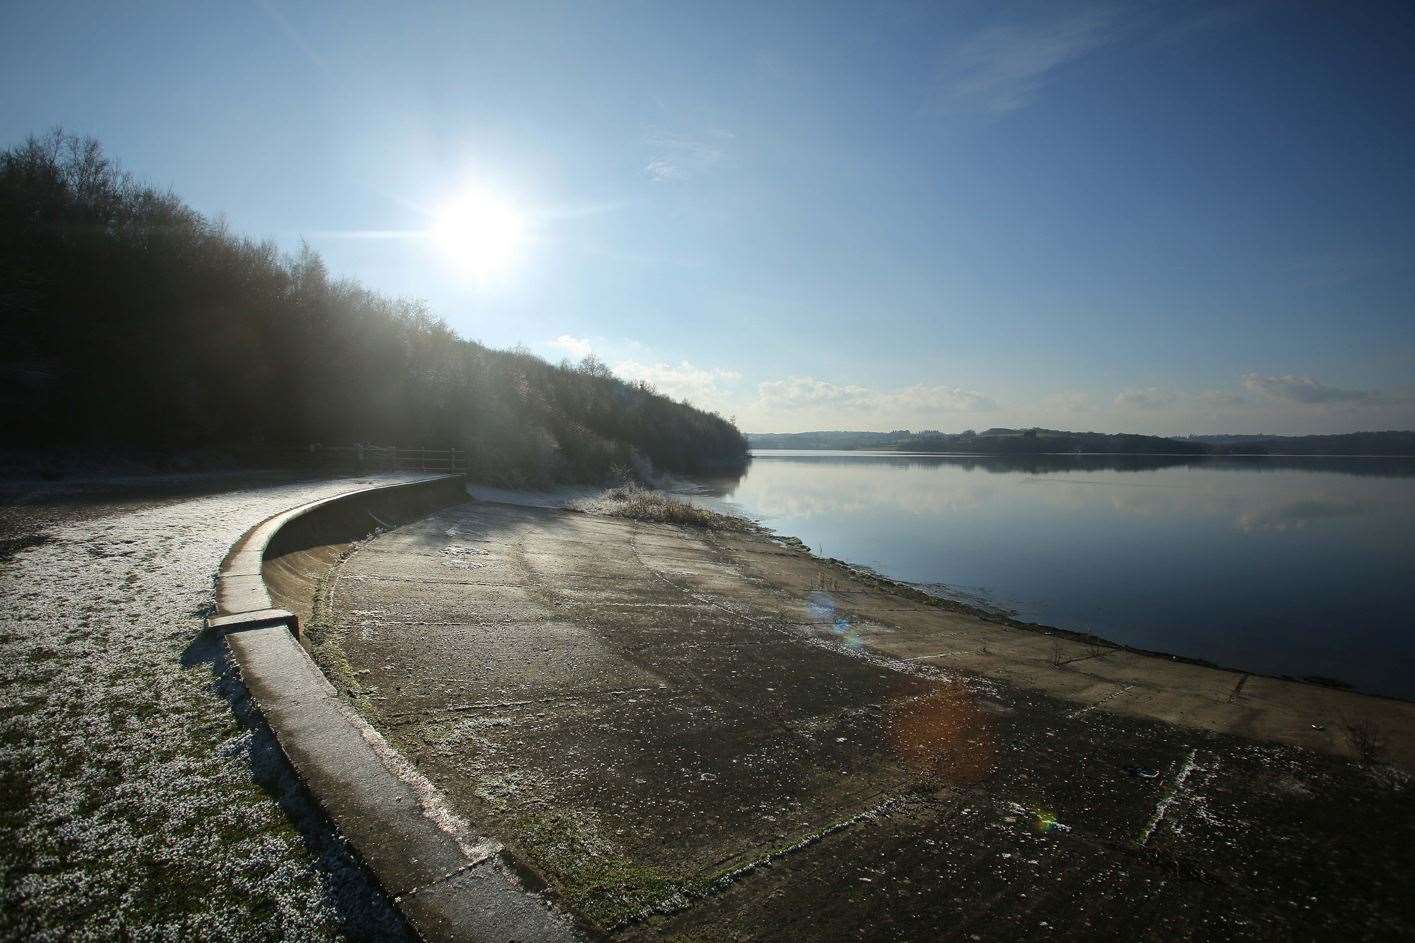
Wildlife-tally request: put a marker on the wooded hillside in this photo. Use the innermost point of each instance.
(128, 318)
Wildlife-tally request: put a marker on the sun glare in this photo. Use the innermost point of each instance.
(479, 232)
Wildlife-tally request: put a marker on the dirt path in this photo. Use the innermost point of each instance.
(140, 796)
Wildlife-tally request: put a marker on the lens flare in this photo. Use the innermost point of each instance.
(942, 735)
(821, 610)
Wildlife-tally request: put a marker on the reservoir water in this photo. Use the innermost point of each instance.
(1289, 566)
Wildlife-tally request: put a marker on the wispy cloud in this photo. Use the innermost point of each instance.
(534, 215)
(630, 360)
(810, 393)
(1147, 398)
(1306, 390)
(1003, 68)
(1198, 22)
(286, 27)
(682, 157)
(1220, 398)
(1068, 401)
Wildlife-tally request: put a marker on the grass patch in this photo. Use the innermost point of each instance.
(657, 507)
(595, 879)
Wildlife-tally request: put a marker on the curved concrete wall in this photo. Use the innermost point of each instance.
(449, 882)
(259, 564)
(306, 545)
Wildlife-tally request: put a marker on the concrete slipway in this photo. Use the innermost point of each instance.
(545, 723)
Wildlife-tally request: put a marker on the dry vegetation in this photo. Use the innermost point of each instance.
(657, 507)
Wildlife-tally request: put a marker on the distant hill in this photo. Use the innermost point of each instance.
(1352, 443)
(988, 442)
(1002, 441)
(826, 440)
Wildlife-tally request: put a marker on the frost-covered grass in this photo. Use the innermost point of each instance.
(140, 795)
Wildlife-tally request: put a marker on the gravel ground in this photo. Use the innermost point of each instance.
(140, 794)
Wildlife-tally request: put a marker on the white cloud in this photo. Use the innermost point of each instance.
(1002, 68)
(681, 157)
(701, 386)
(1147, 398)
(796, 392)
(810, 393)
(576, 348)
(1306, 390)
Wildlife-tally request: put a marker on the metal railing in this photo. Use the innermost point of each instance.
(382, 458)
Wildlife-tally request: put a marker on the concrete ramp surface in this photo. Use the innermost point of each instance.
(690, 734)
(450, 882)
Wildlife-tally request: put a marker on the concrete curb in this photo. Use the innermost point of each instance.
(450, 884)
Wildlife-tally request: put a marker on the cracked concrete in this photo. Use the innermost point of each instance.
(429, 858)
(648, 716)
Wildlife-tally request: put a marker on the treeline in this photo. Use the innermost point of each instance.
(1036, 441)
(1000, 441)
(988, 442)
(826, 440)
(130, 319)
(1046, 463)
(1351, 443)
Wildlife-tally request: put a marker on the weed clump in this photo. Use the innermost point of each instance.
(657, 507)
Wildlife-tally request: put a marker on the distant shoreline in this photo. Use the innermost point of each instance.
(1038, 441)
(1194, 455)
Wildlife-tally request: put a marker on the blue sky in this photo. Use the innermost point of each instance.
(1153, 217)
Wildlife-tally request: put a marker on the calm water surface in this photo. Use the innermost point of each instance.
(1297, 566)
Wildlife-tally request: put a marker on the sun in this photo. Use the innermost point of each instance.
(479, 232)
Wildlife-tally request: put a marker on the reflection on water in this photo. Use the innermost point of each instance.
(1378, 466)
(1298, 566)
(1300, 512)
